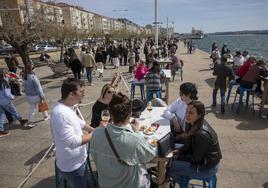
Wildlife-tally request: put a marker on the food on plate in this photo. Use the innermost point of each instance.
(142, 127)
(153, 142)
(148, 131)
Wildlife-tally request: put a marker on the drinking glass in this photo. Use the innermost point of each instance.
(149, 108)
(105, 115)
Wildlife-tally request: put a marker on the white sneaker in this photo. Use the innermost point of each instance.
(47, 118)
(31, 125)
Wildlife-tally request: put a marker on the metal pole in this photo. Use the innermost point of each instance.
(156, 24)
(167, 29)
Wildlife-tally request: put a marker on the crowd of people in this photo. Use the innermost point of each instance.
(119, 151)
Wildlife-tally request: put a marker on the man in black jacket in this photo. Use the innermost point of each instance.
(222, 72)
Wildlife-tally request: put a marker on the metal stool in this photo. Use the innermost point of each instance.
(150, 93)
(241, 91)
(231, 84)
(133, 85)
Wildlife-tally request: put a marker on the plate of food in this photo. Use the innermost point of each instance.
(153, 142)
(149, 131)
(143, 127)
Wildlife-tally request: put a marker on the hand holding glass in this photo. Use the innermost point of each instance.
(105, 115)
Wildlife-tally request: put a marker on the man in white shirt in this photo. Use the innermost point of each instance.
(70, 141)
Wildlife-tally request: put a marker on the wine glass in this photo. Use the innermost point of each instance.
(105, 115)
(149, 108)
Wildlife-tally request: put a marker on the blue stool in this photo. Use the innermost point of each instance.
(150, 93)
(133, 85)
(241, 91)
(231, 84)
(209, 182)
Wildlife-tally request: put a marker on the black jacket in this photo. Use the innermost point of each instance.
(202, 149)
(222, 72)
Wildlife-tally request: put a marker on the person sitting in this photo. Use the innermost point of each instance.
(244, 68)
(200, 156)
(127, 169)
(175, 112)
(101, 104)
(253, 75)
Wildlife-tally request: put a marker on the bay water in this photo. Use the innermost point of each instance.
(256, 45)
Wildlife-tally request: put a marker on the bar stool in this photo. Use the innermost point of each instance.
(231, 84)
(186, 182)
(150, 93)
(241, 91)
(209, 182)
(133, 85)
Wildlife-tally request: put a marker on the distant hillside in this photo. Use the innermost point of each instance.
(240, 32)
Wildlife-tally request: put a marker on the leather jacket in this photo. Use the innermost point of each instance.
(202, 148)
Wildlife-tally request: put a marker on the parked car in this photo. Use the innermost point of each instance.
(47, 47)
(6, 49)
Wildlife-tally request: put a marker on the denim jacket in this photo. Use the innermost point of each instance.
(33, 87)
(5, 94)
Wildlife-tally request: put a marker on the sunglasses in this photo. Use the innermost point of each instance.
(109, 92)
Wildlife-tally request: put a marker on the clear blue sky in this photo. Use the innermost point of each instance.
(207, 15)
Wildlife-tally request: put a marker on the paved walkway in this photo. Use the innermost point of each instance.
(243, 138)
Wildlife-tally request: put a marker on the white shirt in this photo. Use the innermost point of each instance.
(67, 134)
(178, 109)
(239, 60)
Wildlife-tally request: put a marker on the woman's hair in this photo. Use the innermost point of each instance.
(120, 108)
(29, 68)
(188, 88)
(155, 68)
(104, 89)
(200, 108)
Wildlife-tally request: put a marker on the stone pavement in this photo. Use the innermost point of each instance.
(243, 137)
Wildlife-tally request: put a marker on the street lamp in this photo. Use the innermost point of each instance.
(156, 23)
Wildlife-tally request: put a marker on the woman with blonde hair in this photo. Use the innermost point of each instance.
(34, 94)
(101, 104)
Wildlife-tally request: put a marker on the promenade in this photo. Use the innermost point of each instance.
(243, 138)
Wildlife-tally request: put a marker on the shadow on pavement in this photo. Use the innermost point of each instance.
(45, 183)
(210, 82)
(202, 70)
(36, 158)
(248, 120)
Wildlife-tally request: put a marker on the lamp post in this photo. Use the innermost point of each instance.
(156, 23)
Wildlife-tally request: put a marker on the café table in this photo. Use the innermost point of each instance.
(156, 116)
(166, 81)
(163, 61)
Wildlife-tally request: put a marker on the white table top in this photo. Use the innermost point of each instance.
(156, 115)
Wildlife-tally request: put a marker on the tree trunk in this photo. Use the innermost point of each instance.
(24, 54)
(61, 50)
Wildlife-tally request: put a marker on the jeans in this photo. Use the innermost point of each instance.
(89, 74)
(182, 169)
(214, 95)
(77, 178)
(12, 110)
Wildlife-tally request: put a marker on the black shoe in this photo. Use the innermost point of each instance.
(222, 109)
(213, 105)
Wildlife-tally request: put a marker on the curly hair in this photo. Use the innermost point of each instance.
(120, 108)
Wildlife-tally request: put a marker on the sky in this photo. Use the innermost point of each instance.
(207, 15)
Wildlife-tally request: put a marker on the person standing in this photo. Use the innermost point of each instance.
(75, 64)
(34, 94)
(222, 72)
(99, 59)
(69, 139)
(89, 63)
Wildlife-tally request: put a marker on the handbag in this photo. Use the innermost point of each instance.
(165, 145)
(42, 106)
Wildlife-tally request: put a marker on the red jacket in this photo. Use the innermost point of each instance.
(244, 68)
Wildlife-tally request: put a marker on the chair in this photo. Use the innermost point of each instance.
(186, 182)
(150, 93)
(133, 85)
(241, 91)
(231, 84)
(58, 69)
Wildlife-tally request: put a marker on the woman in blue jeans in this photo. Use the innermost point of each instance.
(201, 154)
